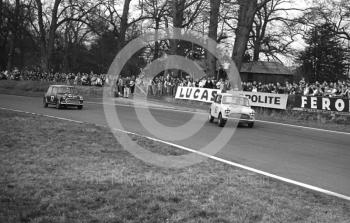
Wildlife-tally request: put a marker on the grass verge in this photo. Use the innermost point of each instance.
(38, 88)
(58, 171)
(24, 88)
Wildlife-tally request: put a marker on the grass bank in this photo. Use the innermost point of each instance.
(38, 88)
(25, 88)
(58, 171)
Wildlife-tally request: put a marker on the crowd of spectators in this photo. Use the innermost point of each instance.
(161, 85)
(66, 78)
(339, 89)
(124, 86)
(167, 85)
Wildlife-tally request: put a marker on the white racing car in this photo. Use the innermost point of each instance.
(229, 106)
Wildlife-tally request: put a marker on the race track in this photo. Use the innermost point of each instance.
(318, 158)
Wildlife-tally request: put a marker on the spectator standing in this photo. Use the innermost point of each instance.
(334, 90)
(168, 86)
(120, 86)
(159, 88)
(227, 86)
(254, 89)
(132, 85)
(126, 87)
(218, 84)
(344, 91)
(318, 91)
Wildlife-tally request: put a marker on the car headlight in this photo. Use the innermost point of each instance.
(227, 111)
(81, 97)
(252, 113)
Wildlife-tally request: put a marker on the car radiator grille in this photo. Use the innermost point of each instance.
(244, 116)
(72, 100)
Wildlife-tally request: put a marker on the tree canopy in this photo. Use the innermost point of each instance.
(85, 35)
(323, 59)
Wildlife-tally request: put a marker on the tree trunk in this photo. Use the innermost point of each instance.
(257, 49)
(66, 67)
(14, 37)
(260, 34)
(52, 33)
(50, 47)
(2, 40)
(123, 25)
(1, 6)
(213, 28)
(47, 44)
(21, 47)
(247, 9)
(11, 51)
(42, 31)
(43, 58)
(156, 43)
(178, 8)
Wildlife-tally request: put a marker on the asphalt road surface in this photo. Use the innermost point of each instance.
(318, 158)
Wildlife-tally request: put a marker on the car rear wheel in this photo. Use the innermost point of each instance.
(45, 103)
(80, 107)
(250, 124)
(211, 118)
(221, 121)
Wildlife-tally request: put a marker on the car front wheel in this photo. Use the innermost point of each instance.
(80, 107)
(58, 105)
(45, 103)
(221, 121)
(250, 124)
(211, 118)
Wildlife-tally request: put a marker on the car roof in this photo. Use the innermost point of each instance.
(234, 95)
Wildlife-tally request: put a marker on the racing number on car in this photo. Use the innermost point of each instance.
(216, 109)
(52, 98)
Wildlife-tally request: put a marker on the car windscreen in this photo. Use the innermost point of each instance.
(235, 100)
(66, 90)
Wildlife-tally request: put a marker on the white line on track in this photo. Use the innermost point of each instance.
(283, 179)
(304, 127)
(49, 116)
(160, 107)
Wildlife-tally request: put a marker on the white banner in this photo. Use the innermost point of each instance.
(257, 99)
(267, 100)
(196, 94)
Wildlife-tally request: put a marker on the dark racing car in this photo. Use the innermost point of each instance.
(63, 96)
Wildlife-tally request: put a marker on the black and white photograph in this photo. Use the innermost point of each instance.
(174, 111)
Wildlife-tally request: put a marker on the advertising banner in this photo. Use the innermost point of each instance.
(267, 100)
(324, 104)
(196, 94)
(258, 99)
